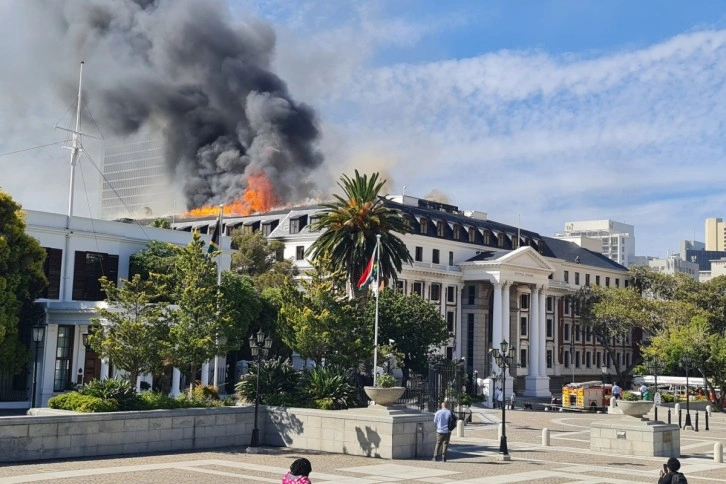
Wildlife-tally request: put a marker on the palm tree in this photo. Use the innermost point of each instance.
(351, 224)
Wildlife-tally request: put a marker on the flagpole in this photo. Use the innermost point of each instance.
(378, 285)
(215, 375)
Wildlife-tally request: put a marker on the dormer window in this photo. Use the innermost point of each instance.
(515, 242)
(457, 232)
(472, 234)
(487, 237)
(440, 225)
(424, 226)
(500, 240)
(297, 223)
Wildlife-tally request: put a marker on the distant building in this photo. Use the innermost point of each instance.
(617, 240)
(674, 264)
(715, 234)
(136, 182)
(718, 268)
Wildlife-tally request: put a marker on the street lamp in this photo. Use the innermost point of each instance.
(655, 366)
(686, 363)
(38, 335)
(503, 356)
(260, 346)
(604, 374)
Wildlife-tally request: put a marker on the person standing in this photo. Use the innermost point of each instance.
(499, 398)
(299, 472)
(443, 434)
(670, 475)
(616, 392)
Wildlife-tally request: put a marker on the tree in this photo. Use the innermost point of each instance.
(261, 259)
(135, 336)
(21, 280)
(244, 306)
(416, 327)
(200, 319)
(351, 224)
(320, 322)
(160, 260)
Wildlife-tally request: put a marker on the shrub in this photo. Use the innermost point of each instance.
(629, 396)
(82, 403)
(229, 401)
(205, 392)
(466, 399)
(156, 400)
(277, 377)
(118, 389)
(386, 381)
(329, 388)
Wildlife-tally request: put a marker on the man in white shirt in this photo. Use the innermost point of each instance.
(643, 389)
(443, 434)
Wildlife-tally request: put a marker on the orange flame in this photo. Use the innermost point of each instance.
(258, 197)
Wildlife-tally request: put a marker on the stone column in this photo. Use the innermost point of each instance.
(104, 369)
(175, 382)
(496, 321)
(205, 373)
(534, 332)
(506, 315)
(543, 333)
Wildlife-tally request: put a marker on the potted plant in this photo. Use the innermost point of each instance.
(385, 392)
(630, 405)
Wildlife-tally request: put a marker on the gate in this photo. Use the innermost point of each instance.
(447, 381)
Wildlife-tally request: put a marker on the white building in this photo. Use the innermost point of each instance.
(674, 264)
(76, 259)
(617, 239)
(136, 182)
(490, 281)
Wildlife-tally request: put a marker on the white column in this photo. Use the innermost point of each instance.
(543, 333)
(506, 316)
(175, 382)
(205, 373)
(496, 321)
(104, 369)
(534, 332)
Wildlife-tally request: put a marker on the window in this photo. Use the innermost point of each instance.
(440, 229)
(487, 237)
(597, 280)
(313, 222)
(607, 282)
(449, 353)
(435, 256)
(451, 294)
(472, 234)
(424, 226)
(609, 360)
(588, 359)
(523, 357)
(88, 269)
(524, 301)
(617, 358)
(577, 332)
(627, 359)
(515, 242)
(418, 288)
(599, 359)
(523, 326)
(457, 232)
(567, 359)
(589, 334)
(297, 224)
(52, 270)
(500, 240)
(587, 279)
(577, 359)
(299, 252)
(567, 276)
(577, 278)
(472, 294)
(550, 328)
(626, 281)
(401, 286)
(566, 303)
(549, 358)
(550, 304)
(470, 339)
(617, 282)
(451, 258)
(435, 290)
(567, 332)
(450, 321)
(419, 254)
(268, 227)
(63, 355)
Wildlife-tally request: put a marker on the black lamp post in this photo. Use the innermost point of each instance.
(604, 374)
(686, 362)
(38, 335)
(504, 355)
(655, 366)
(260, 346)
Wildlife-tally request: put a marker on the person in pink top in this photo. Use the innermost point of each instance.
(299, 472)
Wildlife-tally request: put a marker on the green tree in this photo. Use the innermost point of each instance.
(160, 260)
(351, 224)
(320, 322)
(416, 327)
(21, 280)
(135, 336)
(244, 306)
(200, 321)
(261, 259)
(162, 223)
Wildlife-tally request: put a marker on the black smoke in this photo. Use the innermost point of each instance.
(185, 69)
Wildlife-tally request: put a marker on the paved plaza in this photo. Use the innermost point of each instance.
(473, 459)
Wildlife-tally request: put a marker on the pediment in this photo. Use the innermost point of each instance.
(525, 257)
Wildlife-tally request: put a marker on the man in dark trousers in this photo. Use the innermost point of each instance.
(670, 475)
(443, 434)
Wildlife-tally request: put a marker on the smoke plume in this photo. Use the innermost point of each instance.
(183, 68)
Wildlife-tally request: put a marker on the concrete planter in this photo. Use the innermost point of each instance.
(635, 408)
(384, 396)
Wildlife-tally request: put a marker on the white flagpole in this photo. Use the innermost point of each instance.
(215, 375)
(376, 264)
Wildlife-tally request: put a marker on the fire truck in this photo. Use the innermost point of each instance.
(586, 395)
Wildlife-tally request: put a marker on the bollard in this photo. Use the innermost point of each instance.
(706, 417)
(546, 437)
(460, 428)
(718, 452)
(696, 427)
(669, 415)
(708, 410)
(680, 422)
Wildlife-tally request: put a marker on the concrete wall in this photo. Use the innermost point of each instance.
(366, 432)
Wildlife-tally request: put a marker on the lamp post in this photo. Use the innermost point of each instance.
(655, 366)
(604, 374)
(686, 362)
(38, 335)
(260, 346)
(504, 355)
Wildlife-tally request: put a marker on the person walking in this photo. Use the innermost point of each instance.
(441, 419)
(299, 472)
(616, 392)
(670, 475)
(643, 391)
(499, 396)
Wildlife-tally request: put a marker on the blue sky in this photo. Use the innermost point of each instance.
(544, 111)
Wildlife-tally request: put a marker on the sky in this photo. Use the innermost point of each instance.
(536, 112)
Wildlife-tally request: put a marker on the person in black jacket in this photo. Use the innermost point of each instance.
(670, 475)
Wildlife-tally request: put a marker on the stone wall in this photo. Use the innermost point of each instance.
(367, 432)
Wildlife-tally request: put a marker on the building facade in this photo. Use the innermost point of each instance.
(617, 239)
(674, 264)
(715, 234)
(490, 281)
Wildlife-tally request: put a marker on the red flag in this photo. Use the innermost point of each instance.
(367, 273)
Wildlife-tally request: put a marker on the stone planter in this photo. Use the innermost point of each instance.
(384, 396)
(636, 408)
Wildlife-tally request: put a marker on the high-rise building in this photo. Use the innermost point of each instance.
(136, 184)
(715, 234)
(617, 239)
